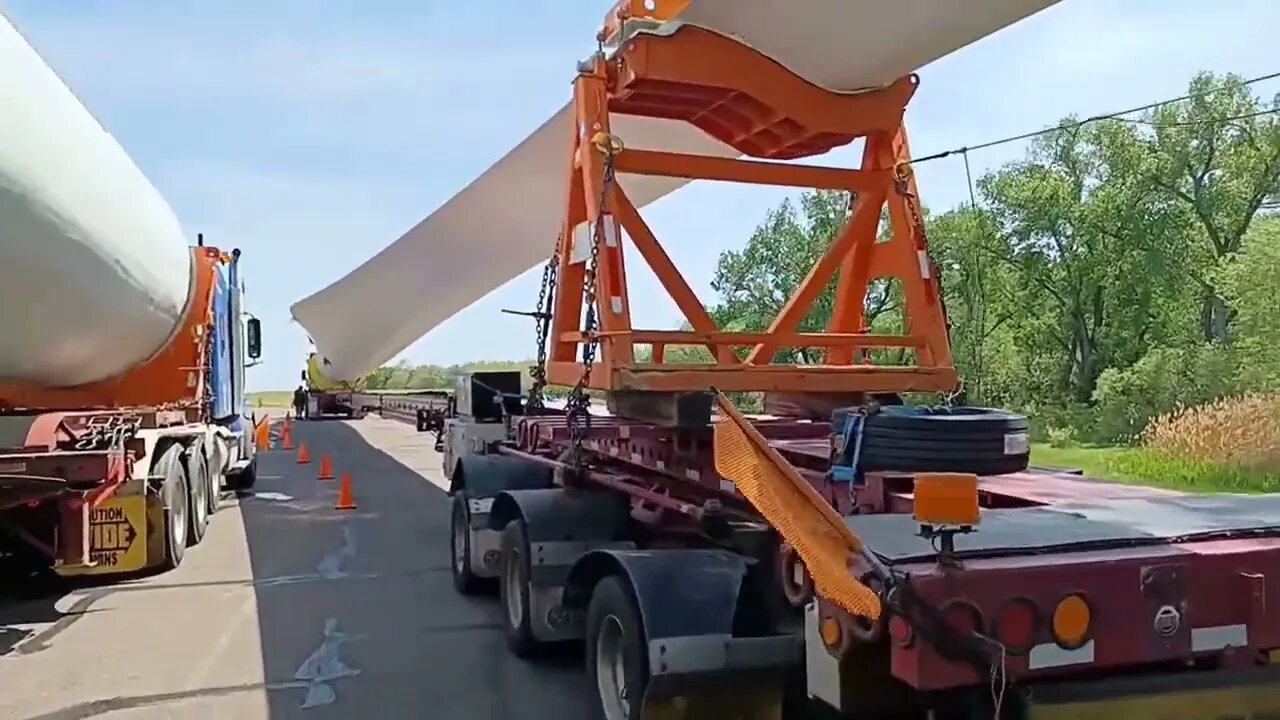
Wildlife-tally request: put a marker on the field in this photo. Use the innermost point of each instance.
(1231, 445)
(271, 398)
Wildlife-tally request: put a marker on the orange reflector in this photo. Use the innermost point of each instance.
(1071, 621)
(829, 630)
(945, 499)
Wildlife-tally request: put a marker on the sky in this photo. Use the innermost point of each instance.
(313, 133)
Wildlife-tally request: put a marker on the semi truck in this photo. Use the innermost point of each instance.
(329, 397)
(122, 369)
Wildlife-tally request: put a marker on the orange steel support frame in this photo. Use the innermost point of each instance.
(753, 104)
(173, 377)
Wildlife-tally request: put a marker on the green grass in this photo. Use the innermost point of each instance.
(271, 398)
(1143, 467)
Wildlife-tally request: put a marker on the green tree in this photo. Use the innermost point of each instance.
(755, 283)
(1217, 156)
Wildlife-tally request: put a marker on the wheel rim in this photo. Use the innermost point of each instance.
(459, 543)
(611, 670)
(513, 579)
(180, 516)
(201, 501)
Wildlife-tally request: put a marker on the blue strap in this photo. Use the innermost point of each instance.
(845, 469)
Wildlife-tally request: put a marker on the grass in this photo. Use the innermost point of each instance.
(271, 398)
(1231, 445)
(1145, 466)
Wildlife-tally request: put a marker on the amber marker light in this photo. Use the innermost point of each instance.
(1071, 620)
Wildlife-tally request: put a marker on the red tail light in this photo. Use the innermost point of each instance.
(1017, 625)
(962, 616)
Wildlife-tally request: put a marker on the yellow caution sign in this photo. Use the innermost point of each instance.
(117, 537)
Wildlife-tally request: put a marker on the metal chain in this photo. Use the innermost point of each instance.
(546, 296)
(579, 403)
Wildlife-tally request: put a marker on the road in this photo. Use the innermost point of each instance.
(291, 609)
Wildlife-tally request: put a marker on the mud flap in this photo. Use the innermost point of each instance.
(117, 538)
(1245, 694)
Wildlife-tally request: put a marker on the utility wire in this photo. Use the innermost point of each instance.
(1109, 116)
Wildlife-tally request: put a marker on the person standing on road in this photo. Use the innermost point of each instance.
(299, 402)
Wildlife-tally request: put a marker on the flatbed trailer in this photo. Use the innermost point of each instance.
(1170, 588)
(97, 480)
(847, 551)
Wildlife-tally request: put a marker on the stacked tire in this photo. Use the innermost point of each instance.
(904, 438)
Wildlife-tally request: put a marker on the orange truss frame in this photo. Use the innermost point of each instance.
(760, 108)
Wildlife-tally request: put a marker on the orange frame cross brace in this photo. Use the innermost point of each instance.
(756, 106)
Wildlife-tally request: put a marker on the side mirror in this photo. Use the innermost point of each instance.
(304, 376)
(253, 338)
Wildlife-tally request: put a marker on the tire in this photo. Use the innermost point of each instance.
(982, 441)
(244, 480)
(513, 591)
(197, 467)
(176, 506)
(464, 581)
(616, 651)
(217, 483)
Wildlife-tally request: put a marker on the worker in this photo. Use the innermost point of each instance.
(299, 402)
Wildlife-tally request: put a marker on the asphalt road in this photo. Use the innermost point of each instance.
(291, 609)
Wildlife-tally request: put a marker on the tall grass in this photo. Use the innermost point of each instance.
(1231, 444)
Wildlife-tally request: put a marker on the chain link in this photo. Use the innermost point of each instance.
(546, 298)
(579, 402)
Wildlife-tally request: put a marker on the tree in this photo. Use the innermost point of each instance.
(755, 283)
(1218, 155)
(1088, 247)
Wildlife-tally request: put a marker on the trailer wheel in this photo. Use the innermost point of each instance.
(197, 466)
(513, 590)
(616, 653)
(464, 580)
(176, 506)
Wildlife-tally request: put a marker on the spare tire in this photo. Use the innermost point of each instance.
(905, 438)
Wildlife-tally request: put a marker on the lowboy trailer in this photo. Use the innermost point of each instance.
(844, 551)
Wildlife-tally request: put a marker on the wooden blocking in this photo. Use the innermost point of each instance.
(664, 409)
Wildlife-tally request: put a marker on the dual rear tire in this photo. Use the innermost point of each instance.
(616, 653)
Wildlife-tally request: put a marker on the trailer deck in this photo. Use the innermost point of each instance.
(1082, 526)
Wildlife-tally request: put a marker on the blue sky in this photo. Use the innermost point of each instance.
(312, 133)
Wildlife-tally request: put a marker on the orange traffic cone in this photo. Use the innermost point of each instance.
(346, 501)
(262, 434)
(304, 457)
(326, 468)
(286, 438)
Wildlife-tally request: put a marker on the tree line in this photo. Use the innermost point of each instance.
(1123, 267)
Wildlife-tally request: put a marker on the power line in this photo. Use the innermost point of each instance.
(1108, 116)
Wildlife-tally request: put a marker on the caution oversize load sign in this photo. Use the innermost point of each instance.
(117, 537)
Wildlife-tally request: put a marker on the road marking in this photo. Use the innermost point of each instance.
(271, 496)
(330, 566)
(323, 666)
